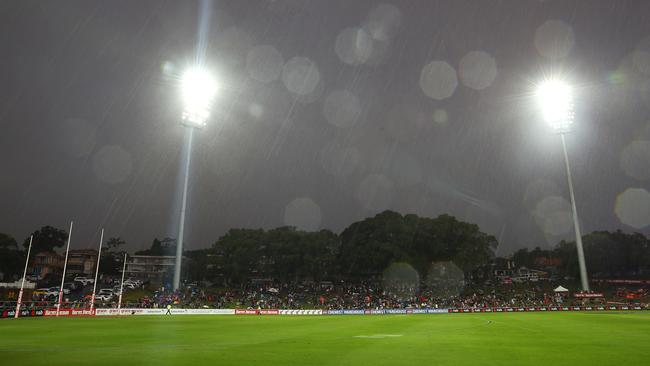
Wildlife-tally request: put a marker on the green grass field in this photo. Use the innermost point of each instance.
(607, 338)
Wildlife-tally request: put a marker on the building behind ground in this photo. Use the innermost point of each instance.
(46, 263)
(82, 262)
(157, 269)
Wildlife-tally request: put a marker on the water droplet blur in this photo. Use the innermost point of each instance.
(445, 279)
(300, 75)
(375, 192)
(553, 216)
(264, 63)
(256, 110)
(401, 280)
(338, 160)
(537, 190)
(633, 207)
(477, 70)
(341, 108)
(438, 80)
(303, 213)
(635, 159)
(441, 117)
(383, 21)
(353, 46)
(168, 70)
(112, 164)
(641, 61)
(77, 138)
(554, 39)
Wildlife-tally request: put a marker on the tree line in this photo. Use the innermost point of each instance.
(362, 251)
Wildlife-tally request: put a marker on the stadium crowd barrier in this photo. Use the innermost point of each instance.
(178, 311)
(162, 311)
(546, 308)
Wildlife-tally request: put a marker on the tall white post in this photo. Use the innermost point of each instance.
(119, 302)
(181, 224)
(576, 224)
(22, 285)
(99, 256)
(65, 266)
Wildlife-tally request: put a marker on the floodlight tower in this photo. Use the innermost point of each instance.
(197, 89)
(556, 101)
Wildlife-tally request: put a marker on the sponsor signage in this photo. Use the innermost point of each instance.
(257, 312)
(301, 312)
(333, 312)
(437, 311)
(269, 312)
(245, 312)
(588, 295)
(353, 312)
(23, 313)
(70, 312)
(397, 311)
(623, 281)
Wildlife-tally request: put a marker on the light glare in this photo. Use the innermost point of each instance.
(556, 101)
(198, 89)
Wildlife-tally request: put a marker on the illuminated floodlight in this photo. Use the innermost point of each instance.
(556, 101)
(198, 89)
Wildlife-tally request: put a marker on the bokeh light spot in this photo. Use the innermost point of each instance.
(553, 216)
(375, 192)
(633, 207)
(353, 46)
(438, 80)
(477, 70)
(445, 280)
(303, 213)
(341, 108)
(383, 21)
(264, 63)
(440, 116)
(401, 280)
(300, 75)
(554, 39)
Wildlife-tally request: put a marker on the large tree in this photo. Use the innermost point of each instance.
(370, 246)
(46, 239)
(11, 258)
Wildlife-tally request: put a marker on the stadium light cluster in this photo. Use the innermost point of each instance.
(556, 101)
(198, 89)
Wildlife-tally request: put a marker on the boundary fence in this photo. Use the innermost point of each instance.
(163, 311)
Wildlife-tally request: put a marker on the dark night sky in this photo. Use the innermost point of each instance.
(324, 117)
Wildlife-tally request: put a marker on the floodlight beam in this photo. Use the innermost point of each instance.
(198, 89)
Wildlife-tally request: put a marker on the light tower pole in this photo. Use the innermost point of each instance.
(556, 100)
(198, 89)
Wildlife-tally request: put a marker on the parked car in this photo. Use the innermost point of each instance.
(72, 286)
(106, 292)
(54, 291)
(84, 280)
(41, 291)
(103, 297)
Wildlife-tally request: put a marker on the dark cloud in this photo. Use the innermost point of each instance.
(89, 115)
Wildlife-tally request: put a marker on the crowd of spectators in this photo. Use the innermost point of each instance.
(362, 295)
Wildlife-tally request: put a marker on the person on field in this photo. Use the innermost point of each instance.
(169, 309)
